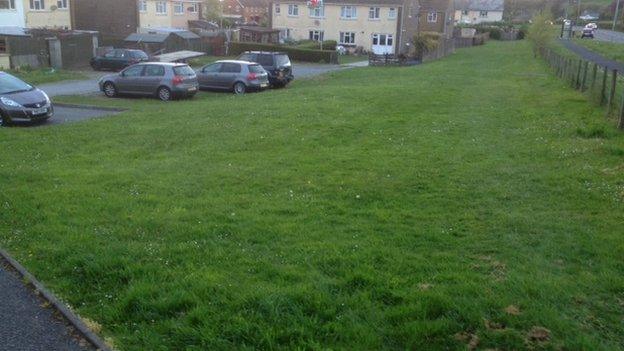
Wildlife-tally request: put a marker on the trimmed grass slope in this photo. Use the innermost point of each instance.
(376, 208)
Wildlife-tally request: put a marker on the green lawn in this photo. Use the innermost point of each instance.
(613, 51)
(471, 199)
(47, 75)
(344, 59)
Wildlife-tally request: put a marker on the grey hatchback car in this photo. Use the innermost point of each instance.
(162, 80)
(233, 75)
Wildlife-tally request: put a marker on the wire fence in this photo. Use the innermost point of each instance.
(602, 85)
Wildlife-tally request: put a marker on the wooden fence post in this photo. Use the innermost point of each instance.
(621, 121)
(585, 68)
(577, 80)
(603, 91)
(612, 91)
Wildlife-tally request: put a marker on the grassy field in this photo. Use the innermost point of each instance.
(40, 76)
(613, 51)
(471, 201)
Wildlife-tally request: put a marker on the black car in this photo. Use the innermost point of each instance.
(277, 65)
(118, 59)
(21, 102)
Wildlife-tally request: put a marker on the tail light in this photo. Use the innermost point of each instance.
(251, 76)
(177, 80)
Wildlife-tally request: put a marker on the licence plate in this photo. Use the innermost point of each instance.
(40, 111)
(264, 85)
(192, 89)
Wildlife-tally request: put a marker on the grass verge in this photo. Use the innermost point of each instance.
(47, 75)
(475, 200)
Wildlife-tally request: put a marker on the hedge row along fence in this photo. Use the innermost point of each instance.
(296, 54)
(603, 85)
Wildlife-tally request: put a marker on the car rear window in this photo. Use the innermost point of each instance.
(139, 55)
(256, 69)
(282, 60)
(183, 71)
(265, 60)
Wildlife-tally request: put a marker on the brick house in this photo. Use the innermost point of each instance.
(247, 11)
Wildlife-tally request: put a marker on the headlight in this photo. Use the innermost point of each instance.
(47, 98)
(8, 102)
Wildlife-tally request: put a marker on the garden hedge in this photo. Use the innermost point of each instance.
(306, 55)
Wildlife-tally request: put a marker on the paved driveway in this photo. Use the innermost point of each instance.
(90, 86)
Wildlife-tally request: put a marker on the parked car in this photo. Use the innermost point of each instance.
(587, 33)
(159, 79)
(117, 59)
(21, 102)
(592, 26)
(277, 65)
(233, 75)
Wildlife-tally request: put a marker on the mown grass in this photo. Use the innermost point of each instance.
(464, 201)
(46, 75)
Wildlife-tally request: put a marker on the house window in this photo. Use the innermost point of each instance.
(37, 5)
(194, 8)
(293, 10)
(432, 17)
(277, 9)
(464, 12)
(392, 13)
(348, 12)
(383, 39)
(373, 13)
(178, 8)
(316, 35)
(347, 38)
(317, 12)
(7, 4)
(483, 13)
(61, 4)
(142, 5)
(3, 49)
(161, 7)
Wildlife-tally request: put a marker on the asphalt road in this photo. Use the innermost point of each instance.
(90, 86)
(592, 56)
(27, 326)
(65, 114)
(605, 35)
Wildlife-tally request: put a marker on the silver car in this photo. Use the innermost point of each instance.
(233, 75)
(162, 80)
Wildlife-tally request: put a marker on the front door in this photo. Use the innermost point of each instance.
(383, 44)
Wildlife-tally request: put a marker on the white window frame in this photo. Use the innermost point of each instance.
(37, 5)
(483, 14)
(161, 11)
(11, 6)
(142, 6)
(432, 17)
(374, 13)
(278, 10)
(194, 8)
(62, 4)
(293, 10)
(392, 13)
(348, 12)
(316, 35)
(178, 5)
(350, 35)
(317, 12)
(387, 38)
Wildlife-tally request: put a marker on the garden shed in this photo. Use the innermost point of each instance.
(162, 42)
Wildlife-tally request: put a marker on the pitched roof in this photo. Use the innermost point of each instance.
(355, 2)
(480, 5)
(186, 34)
(147, 38)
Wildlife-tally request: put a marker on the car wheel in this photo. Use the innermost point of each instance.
(239, 88)
(164, 94)
(110, 90)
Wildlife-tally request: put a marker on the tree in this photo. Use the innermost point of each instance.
(540, 32)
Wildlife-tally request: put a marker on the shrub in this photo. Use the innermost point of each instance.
(539, 32)
(315, 45)
(295, 53)
(425, 42)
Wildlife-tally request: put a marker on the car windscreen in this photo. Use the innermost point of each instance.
(256, 69)
(183, 71)
(282, 60)
(10, 84)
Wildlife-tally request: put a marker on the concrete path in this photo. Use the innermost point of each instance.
(589, 55)
(90, 86)
(25, 325)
